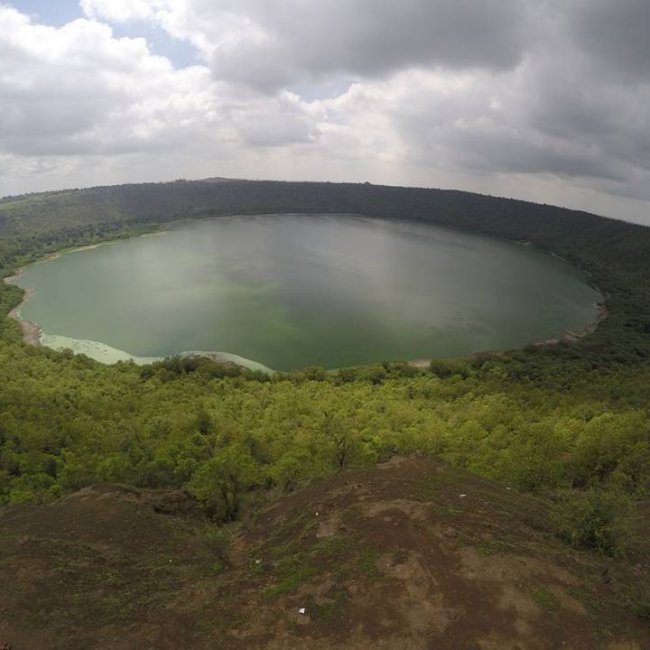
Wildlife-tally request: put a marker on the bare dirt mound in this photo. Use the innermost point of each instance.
(97, 567)
(411, 555)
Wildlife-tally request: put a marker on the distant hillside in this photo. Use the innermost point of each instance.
(160, 202)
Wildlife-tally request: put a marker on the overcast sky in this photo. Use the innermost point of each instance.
(547, 100)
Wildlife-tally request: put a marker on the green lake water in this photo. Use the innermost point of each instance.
(288, 291)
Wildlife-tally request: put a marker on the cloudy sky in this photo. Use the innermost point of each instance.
(547, 100)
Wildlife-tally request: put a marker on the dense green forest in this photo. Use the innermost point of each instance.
(568, 421)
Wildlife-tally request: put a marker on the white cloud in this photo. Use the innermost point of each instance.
(123, 10)
(77, 89)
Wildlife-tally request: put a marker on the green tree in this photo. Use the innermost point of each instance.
(220, 483)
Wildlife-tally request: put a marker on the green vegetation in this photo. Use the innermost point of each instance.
(595, 518)
(545, 599)
(569, 421)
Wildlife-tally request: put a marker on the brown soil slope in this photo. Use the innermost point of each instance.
(411, 555)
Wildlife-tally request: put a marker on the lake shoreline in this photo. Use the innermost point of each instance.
(32, 332)
(570, 336)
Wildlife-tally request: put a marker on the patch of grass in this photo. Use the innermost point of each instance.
(115, 607)
(486, 550)
(108, 578)
(292, 571)
(353, 514)
(438, 484)
(331, 546)
(293, 580)
(256, 568)
(214, 551)
(294, 567)
(545, 599)
(366, 563)
(217, 542)
(217, 568)
(308, 528)
(428, 487)
(326, 611)
(642, 610)
(454, 512)
(296, 524)
(289, 548)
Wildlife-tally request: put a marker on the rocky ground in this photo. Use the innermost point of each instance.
(411, 555)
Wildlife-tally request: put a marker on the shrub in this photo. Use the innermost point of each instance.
(595, 519)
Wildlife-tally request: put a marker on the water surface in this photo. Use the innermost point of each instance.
(288, 291)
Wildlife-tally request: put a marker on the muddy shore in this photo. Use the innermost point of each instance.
(31, 331)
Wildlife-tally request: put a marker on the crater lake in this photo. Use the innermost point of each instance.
(288, 291)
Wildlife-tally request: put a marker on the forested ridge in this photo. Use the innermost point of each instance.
(568, 421)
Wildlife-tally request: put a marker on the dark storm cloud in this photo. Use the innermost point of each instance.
(555, 115)
(500, 136)
(615, 33)
(509, 152)
(369, 38)
(612, 120)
